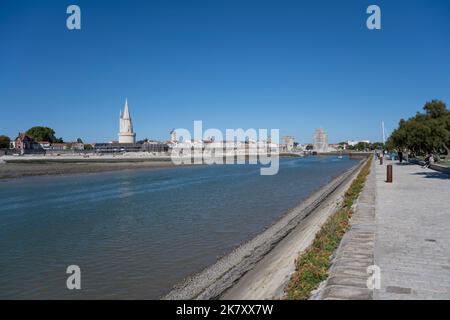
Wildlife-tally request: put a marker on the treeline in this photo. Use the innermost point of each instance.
(364, 146)
(43, 134)
(38, 133)
(426, 132)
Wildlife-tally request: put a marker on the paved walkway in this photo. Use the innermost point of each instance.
(412, 245)
(404, 229)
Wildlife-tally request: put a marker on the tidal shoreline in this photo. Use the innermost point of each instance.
(19, 170)
(12, 168)
(214, 281)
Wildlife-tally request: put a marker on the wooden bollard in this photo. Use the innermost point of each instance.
(389, 177)
(381, 160)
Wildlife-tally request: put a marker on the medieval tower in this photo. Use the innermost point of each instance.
(126, 134)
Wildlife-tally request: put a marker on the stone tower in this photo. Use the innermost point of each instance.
(320, 141)
(126, 134)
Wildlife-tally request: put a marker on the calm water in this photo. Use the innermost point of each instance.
(136, 233)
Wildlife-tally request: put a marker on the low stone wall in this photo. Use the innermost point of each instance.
(440, 168)
(7, 152)
(352, 154)
(434, 166)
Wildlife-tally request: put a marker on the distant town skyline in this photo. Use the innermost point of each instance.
(295, 66)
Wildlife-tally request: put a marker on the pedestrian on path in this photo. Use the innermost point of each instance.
(429, 160)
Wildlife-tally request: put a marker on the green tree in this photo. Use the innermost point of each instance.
(43, 134)
(4, 142)
(362, 146)
(425, 132)
(436, 109)
(309, 147)
(342, 145)
(377, 146)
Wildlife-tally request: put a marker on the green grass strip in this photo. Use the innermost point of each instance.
(313, 264)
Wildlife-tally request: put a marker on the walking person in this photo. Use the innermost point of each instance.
(400, 156)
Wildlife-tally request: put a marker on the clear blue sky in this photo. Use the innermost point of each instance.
(292, 65)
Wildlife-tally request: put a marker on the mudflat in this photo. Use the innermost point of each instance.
(17, 170)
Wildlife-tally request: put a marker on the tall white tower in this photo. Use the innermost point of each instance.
(320, 141)
(126, 134)
(173, 136)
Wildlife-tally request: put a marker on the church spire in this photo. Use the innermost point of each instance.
(126, 112)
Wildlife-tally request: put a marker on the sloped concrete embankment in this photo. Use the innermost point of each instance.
(212, 282)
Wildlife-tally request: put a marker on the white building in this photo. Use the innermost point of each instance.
(126, 134)
(353, 143)
(45, 145)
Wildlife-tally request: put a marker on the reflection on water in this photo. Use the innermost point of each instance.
(136, 233)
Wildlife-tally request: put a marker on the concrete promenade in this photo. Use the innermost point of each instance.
(412, 246)
(403, 228)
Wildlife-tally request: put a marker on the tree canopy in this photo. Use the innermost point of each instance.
(43, 134)
(425, 132)
(4, 142)
(364, 146)
(360, 146)
(377, 146)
